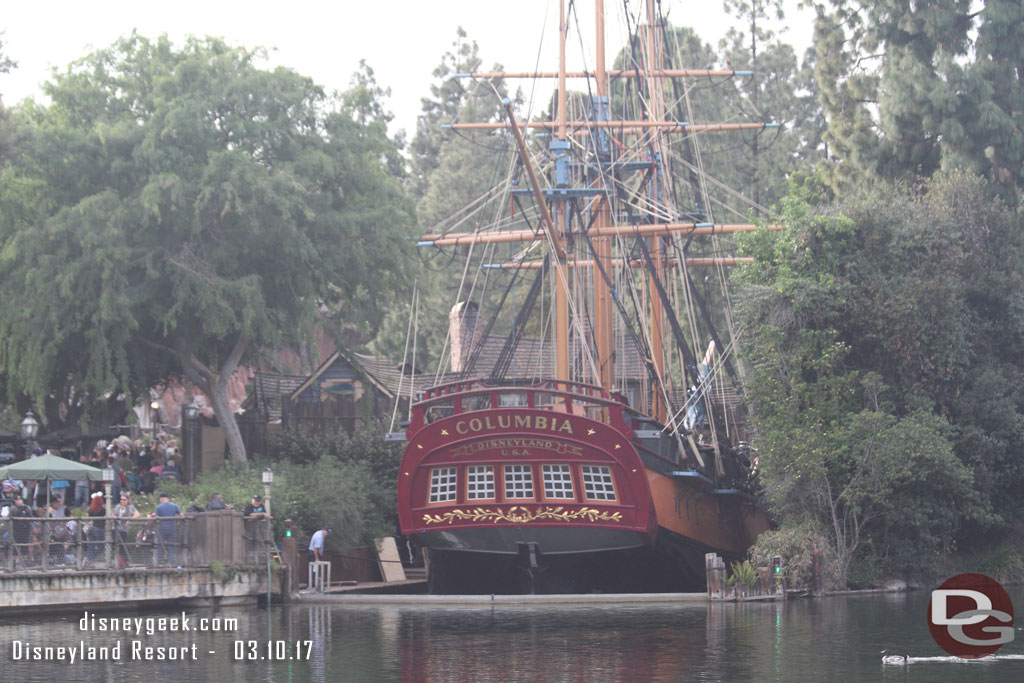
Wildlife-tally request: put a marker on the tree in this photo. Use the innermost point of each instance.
(458, 178)
(777, 92)
(910, 89)
(6, 63)
(884, 342)
(7, 134)
(181, 211)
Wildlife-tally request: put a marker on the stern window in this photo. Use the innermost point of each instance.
(597, 482)
(443, 484)
(518, 481)
(480, 482)
(557, 481)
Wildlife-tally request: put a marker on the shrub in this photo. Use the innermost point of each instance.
(795, 545)
(744, 574)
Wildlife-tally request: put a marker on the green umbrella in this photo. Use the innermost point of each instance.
(50, 467)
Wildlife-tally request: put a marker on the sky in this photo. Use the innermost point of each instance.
(402, 40)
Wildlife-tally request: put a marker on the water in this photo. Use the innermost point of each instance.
(833, 639)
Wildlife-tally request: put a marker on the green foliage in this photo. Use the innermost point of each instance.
(910, 89)
(459, 179)
(1004, 563)
(181, 211)
(365, 448)
(795, 544)
(323, 492)
(882, 331)
(222, 573)
(782, 91)
(6, 63)
(744, 574)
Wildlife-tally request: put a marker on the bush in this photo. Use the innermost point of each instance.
(743, 574)
(365, 448)
(1003, 563)
(795, 545)
(324, 492)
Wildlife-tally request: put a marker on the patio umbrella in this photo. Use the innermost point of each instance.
(49, 467)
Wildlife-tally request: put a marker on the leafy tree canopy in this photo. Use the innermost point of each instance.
(910, 88)
(178, 211)
(459, 180)
(885, 348)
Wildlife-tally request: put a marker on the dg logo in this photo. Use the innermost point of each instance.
(970, 616)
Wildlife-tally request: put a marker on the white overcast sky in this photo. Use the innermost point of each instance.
(402, 40)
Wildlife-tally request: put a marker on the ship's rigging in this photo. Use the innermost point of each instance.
(614, 251)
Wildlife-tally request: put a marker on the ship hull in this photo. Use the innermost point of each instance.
(550, 541)
(554, 496)
(726, 522)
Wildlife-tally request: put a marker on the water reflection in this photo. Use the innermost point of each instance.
(836, 639)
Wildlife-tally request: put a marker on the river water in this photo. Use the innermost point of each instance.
(830, 639)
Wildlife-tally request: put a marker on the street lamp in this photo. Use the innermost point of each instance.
(268, 479)
(154, 415)
(191, 416)
(29, 426)
(108, 482)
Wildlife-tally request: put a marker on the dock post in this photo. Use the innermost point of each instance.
(714, 569)
(290, 556)
(319, 576)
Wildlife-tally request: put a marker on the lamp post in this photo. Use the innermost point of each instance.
(154, 414)
(268, 479)
(191, 416)
(29, 427)
(108, 482)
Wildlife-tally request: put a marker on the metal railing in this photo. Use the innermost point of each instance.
(85, 543)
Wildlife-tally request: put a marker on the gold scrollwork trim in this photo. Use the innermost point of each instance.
(520, 515)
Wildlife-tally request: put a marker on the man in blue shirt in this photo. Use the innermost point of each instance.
(316, 544)
(166, 528)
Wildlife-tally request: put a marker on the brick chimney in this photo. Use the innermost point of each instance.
(463, 321)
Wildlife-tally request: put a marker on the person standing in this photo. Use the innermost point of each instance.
(22, 514)
(255, 514)
(123, 511)
(166, 531)
(97, 531)
(57, 507)
(216, 503)
(316, 544)
(256, 507)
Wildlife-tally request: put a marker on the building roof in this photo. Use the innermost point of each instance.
(268, 388)
(532, 361)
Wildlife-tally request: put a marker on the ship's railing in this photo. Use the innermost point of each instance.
(29, 544)
(580, 390)
(471, 395)
(462, 392)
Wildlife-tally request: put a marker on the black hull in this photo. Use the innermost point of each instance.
(550, 541)
(672, 565)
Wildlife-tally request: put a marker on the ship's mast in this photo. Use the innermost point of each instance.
(656, 97)
(560, 148)
(603, 311)
(598, 228)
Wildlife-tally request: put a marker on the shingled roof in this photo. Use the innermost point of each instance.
(267, 390)
(532, 361)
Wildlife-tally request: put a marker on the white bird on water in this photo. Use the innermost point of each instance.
(904, 660)
(898, 660)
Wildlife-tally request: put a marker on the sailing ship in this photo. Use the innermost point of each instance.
(608, 458)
